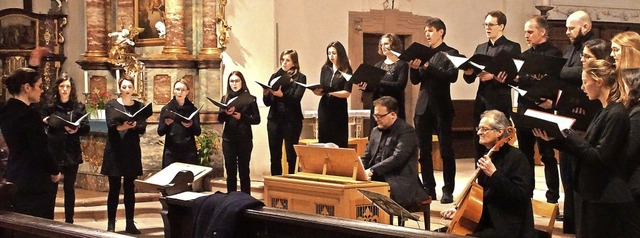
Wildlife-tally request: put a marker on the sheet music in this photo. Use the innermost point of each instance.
(187, 196)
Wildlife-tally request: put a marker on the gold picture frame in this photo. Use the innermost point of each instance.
(149, 13)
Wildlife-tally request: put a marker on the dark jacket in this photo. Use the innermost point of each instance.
(30, 164)
(234, 129)
(398, 163)
(63, 146)
(219, 215)
(180, 142)
(633, 153)
(526, 82)
(435, 83)
(506, 202)
(122, 154)
(393, 83)
(288, 106)
(571, 76)
(492, 94)
(600, 168)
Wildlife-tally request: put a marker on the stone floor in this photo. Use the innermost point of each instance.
(91, 206)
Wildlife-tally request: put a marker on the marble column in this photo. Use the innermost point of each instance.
(174, 20)
(209, 36)
(125, 14)
(96, 29)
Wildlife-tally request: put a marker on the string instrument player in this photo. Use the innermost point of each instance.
(507, 184)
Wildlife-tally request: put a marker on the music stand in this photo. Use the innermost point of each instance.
(390, 207)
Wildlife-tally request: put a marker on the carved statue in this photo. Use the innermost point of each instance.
(122, 43)
(162, 30)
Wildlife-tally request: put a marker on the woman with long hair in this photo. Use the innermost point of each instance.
(180, 139)
(602, 198)
(64, 142)
(122, 154)
(333, 115)
(284, 121)
(30, 166)
(237, 136)
(625, 49)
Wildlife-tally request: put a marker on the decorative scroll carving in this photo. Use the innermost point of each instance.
(604, 14)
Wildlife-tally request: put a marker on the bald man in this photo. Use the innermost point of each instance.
(578, 31)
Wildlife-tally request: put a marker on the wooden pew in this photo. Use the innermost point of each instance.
(178, 220)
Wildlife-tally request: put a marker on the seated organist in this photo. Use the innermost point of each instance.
(507, 182)
(391, 155)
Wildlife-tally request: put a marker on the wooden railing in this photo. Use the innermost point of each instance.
(19, 225)
(274, 222)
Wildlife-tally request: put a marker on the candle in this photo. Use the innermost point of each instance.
(117, 80)
(86, 82)
(545, 3)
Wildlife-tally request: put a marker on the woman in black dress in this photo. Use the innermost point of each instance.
(285, 113)
(30, 166)
(394, 82)
(122, 155)
(237, 137)
(333, 115)
(180, 140)
(64, 142)
(602, 197)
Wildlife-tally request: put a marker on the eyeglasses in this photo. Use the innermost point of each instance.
(489, 25)
(484, 129)
(378, 117)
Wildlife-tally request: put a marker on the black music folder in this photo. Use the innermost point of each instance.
(276, 82)
(142, 114)
(368, 74)
(59, 122)
(315, 86)
(179, 117)
(542, 64)
(551, 123)
(417, 51)
(503, 62)
(233, 102)
(476, 61)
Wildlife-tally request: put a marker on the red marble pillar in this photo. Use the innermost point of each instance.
(209, 36)
(125, 14)
(96, 29)
(174, 21)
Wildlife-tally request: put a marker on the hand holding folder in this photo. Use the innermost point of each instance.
(177, 116)
(417, 51)
(142, 114)
(325, 89)
(550, 123)
(366, 73)
(59, 122)
(277, 82)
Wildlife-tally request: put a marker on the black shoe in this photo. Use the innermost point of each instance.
(446, 198)
(559, 218)
(131, 228)
(111, 226)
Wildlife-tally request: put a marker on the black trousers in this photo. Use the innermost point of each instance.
(277, 131)
(426, 124)
(566, 174)
(526, 143)
(115, 183)
(38, 204)
(70, 173)
(237, 155)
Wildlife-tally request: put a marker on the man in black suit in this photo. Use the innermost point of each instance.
(578, 31)
(434, 110)
(535, 32)
(492, 93)
(391, 155)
